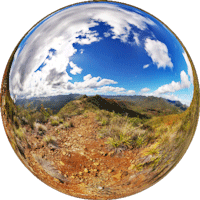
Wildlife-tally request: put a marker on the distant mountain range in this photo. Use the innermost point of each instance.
(149, 103)
(178, 104)
(53, 102)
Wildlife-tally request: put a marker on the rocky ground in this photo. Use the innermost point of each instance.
(77, 162)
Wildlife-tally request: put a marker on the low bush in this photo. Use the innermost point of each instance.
(61, 121)
(68, 124)
(49, 139)
(54, 123)
(20, 133)
(42, 129)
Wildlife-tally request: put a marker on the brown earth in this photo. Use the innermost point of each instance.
(79, 163)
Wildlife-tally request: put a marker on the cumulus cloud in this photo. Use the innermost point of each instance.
(144, 90)
(174, 86)
(130, 92)
(93, 82)
(189, 66)
(75, 69)
(145, 66)
(158, 52)
(106, 89)
(60, 32)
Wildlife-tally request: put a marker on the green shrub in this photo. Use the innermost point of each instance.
(68, 124)
(54, 123)
(140, 141)
(16, 122)
(40, 128)
(20, 133)
(121, 141)
(61, 121)
(49, 139)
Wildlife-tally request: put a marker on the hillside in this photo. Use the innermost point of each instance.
(74, 150)
(150, 102)
(55, 103)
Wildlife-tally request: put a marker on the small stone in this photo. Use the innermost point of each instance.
(96, 164)
(117, 176)
(131, 167)
(86, 170)
(111, 153)
(73, 177)
(95, 170)
(55, 179)
(64, 153)
(62, 163)
(100, 188)
(109, 170)
(125, 173)
(80, 173)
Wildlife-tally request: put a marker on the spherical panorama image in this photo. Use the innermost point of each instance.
(100, 100)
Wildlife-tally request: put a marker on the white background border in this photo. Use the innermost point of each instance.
(17, 17)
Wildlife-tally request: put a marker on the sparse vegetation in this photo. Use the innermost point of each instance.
(54, 123)
(49, 139)
(68, 124)
(20, 133)
(42, 129)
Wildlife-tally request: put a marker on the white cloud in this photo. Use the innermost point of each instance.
(61, 32)
(75, 69)
(87, 77)
(130, 92)
(190, 72)
(106, 89)
(145, 66)
(174, 86)
(136, 38)
(88, 37)
(158, 52)
(106, 34)
(185, 83)
(93, 82)
(144, 90)
(81, 51)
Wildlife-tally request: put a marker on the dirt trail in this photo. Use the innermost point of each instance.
(81, 164)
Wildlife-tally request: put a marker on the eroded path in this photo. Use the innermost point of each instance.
(81, 164)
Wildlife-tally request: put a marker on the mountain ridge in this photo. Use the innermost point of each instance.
(59, 101)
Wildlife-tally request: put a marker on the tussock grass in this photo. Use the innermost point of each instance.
(68, 124)
(49, 139)
(41, 129)
(20, 133)
(61, 121)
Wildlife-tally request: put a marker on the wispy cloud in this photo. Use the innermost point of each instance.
(136, 38)
(145, 66)
(81, 51)
(158, 52)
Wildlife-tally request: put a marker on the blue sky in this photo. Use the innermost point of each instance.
(113, 49)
